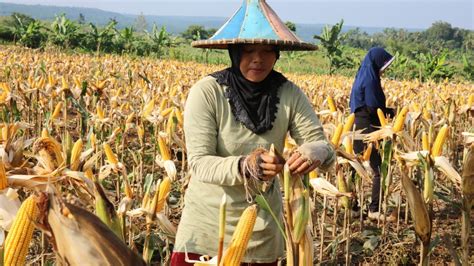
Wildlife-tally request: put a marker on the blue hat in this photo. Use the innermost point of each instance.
(255, 22)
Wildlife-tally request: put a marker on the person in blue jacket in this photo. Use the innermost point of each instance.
(366, 97)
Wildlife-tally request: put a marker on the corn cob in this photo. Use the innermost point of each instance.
(165, 187)
(3, 177)
(164, 150)
(76, 154)
(21, 232)
(163, 104)
(179, 116)
(349, 123)
(342, 187)
(424, 141)
(471, 100)
(348, 145)
(437, 148)
(243, 231)
(400, 120)
(110, 154)
(367, 152)
(166, 111)
(148, 109)
(332, 106)
(337, 135)
(57, 110)
(313, 174)
(64, 85)
(100, 112)
(381, 116)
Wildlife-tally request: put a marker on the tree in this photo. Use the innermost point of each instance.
(64, 32)
(159, 39)
(125, 39)
(140, 23)
(195, 32)
(81, 20)
(291, 26)
(102, 38)
(331, 42)
(27, 31)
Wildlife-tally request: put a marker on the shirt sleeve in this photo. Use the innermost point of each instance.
(200, 130)
(305, 126)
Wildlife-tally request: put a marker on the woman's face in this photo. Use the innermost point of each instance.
(257, 61)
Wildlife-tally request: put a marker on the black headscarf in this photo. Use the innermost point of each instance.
(254, 104)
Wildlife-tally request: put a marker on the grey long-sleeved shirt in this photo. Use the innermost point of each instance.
(215, 141)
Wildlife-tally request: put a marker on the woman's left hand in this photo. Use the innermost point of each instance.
(298, 164)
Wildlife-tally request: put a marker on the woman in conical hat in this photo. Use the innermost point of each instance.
(229, 117)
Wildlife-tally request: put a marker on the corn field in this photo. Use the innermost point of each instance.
(93, 159)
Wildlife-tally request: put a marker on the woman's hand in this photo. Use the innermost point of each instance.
(270, 165)
(301, 165)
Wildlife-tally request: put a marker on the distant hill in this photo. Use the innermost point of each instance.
(173, 24)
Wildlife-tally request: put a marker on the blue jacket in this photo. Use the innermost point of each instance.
(367, 89)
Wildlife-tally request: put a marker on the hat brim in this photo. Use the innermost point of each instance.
(284, 45)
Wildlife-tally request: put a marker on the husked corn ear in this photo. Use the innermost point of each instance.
(238, 245)
(381, 116)
(337, 135)
(164, 151)
(148, 109)
(57, 110)
(64, 84)
(76, 154)
(313, 174)
(348, 145)
(3, 177)
(166, 111)
(331, 104)
(424, 141)
(163, 104)
(165, 187)
(21, 232)
(400, 120)
(110, 154)
(349, 123)
(471, 100)
(367, 152)
(427, 114)
(437, 148)
(342, 187)
(100, 112)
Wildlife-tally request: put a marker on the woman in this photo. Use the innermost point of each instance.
(228, 116)
(366, 97)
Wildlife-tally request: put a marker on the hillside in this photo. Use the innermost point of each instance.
(173, 24)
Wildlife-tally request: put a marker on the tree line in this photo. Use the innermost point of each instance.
(440, 52)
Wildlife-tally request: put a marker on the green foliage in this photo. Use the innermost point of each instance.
(64, 32)
(331, 40)
(291, 26)
(196, 32)
(433, 67)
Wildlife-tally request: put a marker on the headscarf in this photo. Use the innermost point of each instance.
(367, 89)
(254, 104)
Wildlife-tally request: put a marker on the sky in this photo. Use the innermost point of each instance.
(419, 14)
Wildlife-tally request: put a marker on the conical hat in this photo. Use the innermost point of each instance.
(255, 22)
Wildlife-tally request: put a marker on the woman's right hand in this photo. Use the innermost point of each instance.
(271, 166)
(260, 165)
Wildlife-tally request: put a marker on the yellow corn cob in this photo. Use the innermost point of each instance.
(348, 145)
(3, 177)
(57, 110)
(165, 187)
(427, 114)
(100, 112)
(148, 109)
(164, 151)
(381, 116)
(424, 141)
(21, 232)
(416, 107)
(88, 173)
(332, 106)
(93, 140)
(75, 154)
(64, 85)
(400, 120)
(163, 104)
(471, 100)
(243, 231)
(130, 118)
(140, 132)
(349, 123)
(367, 153)
(437, 148)
(51, 80)
(166, 111)
(337, 135)
(110, 154)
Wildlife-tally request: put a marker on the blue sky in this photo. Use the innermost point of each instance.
(368, 13)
